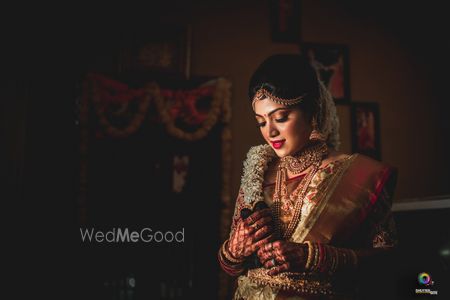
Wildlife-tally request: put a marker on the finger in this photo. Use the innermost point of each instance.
(291, 252)
(262, 213)
(268, 247)
(244, 231)
(270, 238)
(263, 258)
(279, 252)
(263, 232)
(279, 269)
(266, 256)
(261, 251)
(282, 258)
(262, 222)
(266, 240)
(258, 215)
(248, 229)
(278, 244)
(270, 263)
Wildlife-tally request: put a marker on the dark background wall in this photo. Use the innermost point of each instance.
(397, 58)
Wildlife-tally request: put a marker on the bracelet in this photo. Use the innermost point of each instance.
(316, 257)
(234, 270)
(310, 255)
(328, 259)
(333, 260)
(229, 256)
(321, 261)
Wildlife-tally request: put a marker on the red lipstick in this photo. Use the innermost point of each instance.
(277, 144)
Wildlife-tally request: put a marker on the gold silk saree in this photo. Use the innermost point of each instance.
(347, 205)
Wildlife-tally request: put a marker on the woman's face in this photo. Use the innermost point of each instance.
(285, 129)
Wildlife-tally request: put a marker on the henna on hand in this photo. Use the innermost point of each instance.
(251, 233)
(283, 256)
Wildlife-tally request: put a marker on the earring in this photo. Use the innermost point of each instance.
(315, 133)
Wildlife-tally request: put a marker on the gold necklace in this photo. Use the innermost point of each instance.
(302, 161)
(310, 157)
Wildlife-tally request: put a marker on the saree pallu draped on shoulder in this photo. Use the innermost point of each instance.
(344, 198)
(353, 198)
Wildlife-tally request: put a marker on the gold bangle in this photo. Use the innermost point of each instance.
(229, 268)
(321, 257)
(334, 259)
(326, 259)
(310, 255)
(229, 256)
(315, 265)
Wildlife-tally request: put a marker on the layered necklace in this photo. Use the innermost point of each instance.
(310, 157)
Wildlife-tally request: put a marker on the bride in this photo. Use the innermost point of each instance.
(307, 216)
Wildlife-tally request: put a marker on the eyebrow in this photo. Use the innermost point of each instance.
(273, 111)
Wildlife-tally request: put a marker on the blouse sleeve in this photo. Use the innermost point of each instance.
(237, 208)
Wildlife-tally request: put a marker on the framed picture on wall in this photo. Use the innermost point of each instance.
(159, 48)
(285, 19)
(331, 62)
(365, 128)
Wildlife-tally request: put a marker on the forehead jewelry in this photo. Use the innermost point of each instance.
(263, 93)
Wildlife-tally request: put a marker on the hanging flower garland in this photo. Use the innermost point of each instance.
(221, 95)
(101, 97)
(106, 91)
(185, 104)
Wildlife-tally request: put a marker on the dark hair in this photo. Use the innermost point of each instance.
(287, 76)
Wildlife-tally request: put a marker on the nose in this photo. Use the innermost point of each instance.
(273, 131)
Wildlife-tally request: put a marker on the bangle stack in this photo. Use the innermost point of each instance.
(229, 264)
(328, 259)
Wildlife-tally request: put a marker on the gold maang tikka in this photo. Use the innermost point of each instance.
(263, 93)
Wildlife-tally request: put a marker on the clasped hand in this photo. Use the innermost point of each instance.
(251, 233)
(283, 256)
(256, 233)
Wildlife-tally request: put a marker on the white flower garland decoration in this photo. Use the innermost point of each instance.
(258, 158)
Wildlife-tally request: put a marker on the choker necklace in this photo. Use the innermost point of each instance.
(307, 157)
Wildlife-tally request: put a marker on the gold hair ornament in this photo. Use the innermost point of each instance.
(263, 93)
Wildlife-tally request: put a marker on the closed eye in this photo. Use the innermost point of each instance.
(283, 119)
(262, 124)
